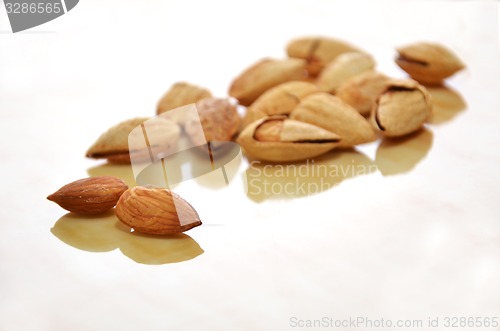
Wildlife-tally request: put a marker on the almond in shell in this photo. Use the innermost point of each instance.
(342, 68)
(279, 139)
(263, 75)
(113, 145)
(402, 109)
(331, 113)
(181, 94)
(279, 100)
(428, 63)
(318, 51)
(362, 90)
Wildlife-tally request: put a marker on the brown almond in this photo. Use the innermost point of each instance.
(155, 210)
(218, 118)
(90, 196)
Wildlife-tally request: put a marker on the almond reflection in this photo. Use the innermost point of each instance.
(285, 181)
(106, 233)
(446, 102)
(400, 155)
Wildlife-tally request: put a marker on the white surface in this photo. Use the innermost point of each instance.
(421, 243)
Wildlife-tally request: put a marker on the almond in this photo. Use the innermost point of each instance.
(181, 94)
(279, 139)
(331, 113)
(218, 118)
(156, 210)
(428, 63)
(342, 68)
(402, 109)
(362, 90)
(90, 196)
(113, 144)
(263, 75)
(279, 100)
(318, 51)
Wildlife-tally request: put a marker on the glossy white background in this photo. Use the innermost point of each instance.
(421, 242)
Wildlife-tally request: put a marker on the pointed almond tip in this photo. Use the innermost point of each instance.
(90, 152)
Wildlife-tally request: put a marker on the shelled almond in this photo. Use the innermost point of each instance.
(90, 196)
(156, 210)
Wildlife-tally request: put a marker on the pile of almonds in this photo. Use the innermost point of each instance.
(334, 87)
(325, 95)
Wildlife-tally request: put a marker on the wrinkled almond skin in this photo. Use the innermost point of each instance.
(181, 94)
(219, 121)
(279, 100)
(155, 210)
(318, 51)
(342, 68)
(90, 196)
(402, 109)
(263, 75)
(278, 139)
(113, 145)
(428, 63)
(362, 90)
(331, 113)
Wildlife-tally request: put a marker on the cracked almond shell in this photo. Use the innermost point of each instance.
(181, 94)
(318, 51)
(279, 139)
(362, 90)
(402, 109)
(279, 100)
(428, 63)
(113, 144)
(331, 113)
(155, 210)
(263, 75)
(342, 68)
